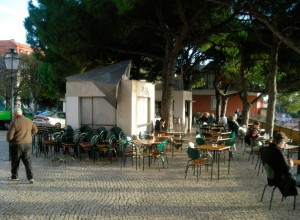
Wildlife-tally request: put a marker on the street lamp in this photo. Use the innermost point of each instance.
(11, 59)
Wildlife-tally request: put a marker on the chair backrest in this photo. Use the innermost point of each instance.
(193, 153)
(90, 135)
(229, 142)
(206, 134)
(85, 129)
(256, 143)
(112, 139)
(241, 132)
(200, 141)
(162, 145)
(122, 136)
(116, 131)
(269, 171)
(100, 129)
(123, 140)
(232, 134)
(199, 135)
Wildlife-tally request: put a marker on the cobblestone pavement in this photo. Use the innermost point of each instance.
(102, 190)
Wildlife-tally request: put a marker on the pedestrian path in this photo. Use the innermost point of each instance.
(87, 190)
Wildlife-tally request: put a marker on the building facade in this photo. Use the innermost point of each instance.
(19, 48)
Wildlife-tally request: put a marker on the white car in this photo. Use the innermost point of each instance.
(57, 119)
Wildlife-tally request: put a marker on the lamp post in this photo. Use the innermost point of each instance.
(11, 63)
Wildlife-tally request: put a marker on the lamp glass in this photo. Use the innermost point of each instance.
(11, 60)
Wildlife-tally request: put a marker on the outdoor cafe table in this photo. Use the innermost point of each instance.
(216, 139)
(296, 162)
(216, 151)
(289, 147)
(218, 133)
(145, 143)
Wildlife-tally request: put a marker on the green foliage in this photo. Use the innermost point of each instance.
(289, 102)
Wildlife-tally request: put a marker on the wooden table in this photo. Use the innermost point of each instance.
(216, 139)
(145, 143)
(289, 147)
(216, 151)
(296, 162)
(218, 133)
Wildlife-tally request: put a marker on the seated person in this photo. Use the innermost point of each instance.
(223, 120)
(252, 132)
(211, 119)
(274, 156)
(204, 118)
(233, 125)
(159, 125)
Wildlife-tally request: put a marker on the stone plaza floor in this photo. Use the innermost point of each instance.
(102, 190)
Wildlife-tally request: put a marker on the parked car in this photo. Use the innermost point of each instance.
(57, 119)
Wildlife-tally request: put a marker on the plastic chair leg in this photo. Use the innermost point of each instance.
(272, 198)
(262, 196)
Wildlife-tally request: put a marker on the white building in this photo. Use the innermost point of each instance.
(105, 97)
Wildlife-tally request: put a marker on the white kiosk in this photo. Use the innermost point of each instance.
(105, 97)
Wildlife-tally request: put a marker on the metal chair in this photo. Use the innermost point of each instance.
(158, 152)
(196, 160)
(272, 183)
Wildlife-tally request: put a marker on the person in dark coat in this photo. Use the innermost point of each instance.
(159, 125)
(233, 125)
(274, 156)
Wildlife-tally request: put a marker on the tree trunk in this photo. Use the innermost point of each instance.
(244, 93)
(167, 110)
(224, 104)
(246, 112)
(272, 87)
(218, 109)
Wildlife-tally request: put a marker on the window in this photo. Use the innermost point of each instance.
(213, 102)
(157, 109)
(210, 81)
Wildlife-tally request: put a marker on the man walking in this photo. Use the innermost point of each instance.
(19, 136)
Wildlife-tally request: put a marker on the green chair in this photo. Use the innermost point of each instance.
(200, 141)
(196, 160)
(241, 137)
(272, 183)
(112, 147)
(158, 153)
(254, 149)
(102, 146)
(131, 150)
(87, 144)
(231, 144)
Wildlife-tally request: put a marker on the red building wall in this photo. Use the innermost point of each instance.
(203, 103)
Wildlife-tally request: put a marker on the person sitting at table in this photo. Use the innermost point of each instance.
(252, 132)
(223, 120)
(211, 119)
(159, 125)
(274, 156)
(204, 118)
(233, 125)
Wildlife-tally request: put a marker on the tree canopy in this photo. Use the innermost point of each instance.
(167, 37)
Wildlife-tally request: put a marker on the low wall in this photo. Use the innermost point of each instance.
(292, 132)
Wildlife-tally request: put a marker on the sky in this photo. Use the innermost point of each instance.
(12, 16)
